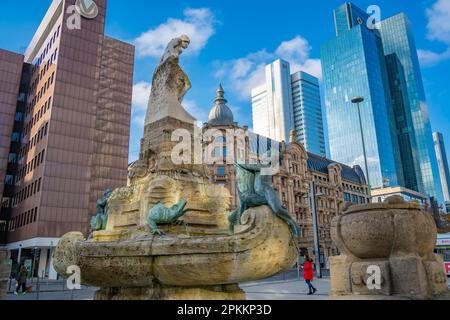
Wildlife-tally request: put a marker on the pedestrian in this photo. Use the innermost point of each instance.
(21, 280)
(308, 274)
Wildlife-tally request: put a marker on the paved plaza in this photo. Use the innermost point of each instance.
(282, 287)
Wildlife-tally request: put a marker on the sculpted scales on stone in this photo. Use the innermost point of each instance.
(170, 85)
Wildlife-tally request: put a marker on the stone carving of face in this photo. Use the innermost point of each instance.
(185, 41)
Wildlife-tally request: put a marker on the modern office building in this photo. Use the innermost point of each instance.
(398, 38)
(289, 102)
(11, 65)
(379, 195)
(381, 65)
(444, 171)
(353, 65)
(336, 183)
(69, 131)
(307, 107)
(272, 103)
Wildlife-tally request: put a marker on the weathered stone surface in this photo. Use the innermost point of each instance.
(359, 278)
(3, 271)
(262, 247)
(396, 236)
(340, 275)
(157, 292)
(170, 85)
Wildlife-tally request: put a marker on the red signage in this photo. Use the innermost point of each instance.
(447, 268)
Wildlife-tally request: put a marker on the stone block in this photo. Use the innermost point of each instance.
(360, 276)
(437, 279)
(409, 277)
(340, 276)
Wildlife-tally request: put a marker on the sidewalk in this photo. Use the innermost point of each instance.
(286, 290)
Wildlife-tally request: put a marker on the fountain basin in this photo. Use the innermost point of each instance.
(261, 247)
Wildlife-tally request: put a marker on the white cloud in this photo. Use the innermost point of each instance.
(192, 107)
(141, 94)
(198, 24)
(439, 21)
(244, 74)
(429, 58)
(438, 30)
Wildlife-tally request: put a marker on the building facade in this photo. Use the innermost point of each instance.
(381, 65)
(444, 171)
(398, 38)
(74, 139)
(289, 102)
(353, 65)
(11, 65)
(379, 195)
(335, 183)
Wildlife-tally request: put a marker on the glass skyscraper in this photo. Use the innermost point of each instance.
(353, 65)
(398, 39)
(380, 64)
(272, 103)
(289, 102)
(442, 160)
(307, 107)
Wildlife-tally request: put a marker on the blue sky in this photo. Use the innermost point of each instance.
(232, 40)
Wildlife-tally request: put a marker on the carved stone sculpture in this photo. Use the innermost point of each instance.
(386, 252)
(160, 214)
(254, 190)
(200, 260)
(170, 85)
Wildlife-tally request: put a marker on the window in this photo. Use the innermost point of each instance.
(12, 158)
(221, 171)
(15, 137)
(9, 180)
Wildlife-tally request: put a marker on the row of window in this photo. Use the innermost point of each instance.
(30, 166)
(47, 49)
(38, 96)
(38, 136)
(23, 219)
(354, 198)
(28, 191)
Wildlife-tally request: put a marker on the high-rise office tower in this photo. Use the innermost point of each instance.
(289, 102)
(272, 103)
(69, 133)
(307, 107)
(442, 160)
(353, 65)
(397, 37)
(408, 162)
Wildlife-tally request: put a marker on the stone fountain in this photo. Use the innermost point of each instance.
(167, 235)
(393, 241)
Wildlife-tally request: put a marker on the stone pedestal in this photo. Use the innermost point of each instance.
(395, 238)
(3, 272)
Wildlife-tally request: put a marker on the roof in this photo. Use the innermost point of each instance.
(321, 164)
(220, 114)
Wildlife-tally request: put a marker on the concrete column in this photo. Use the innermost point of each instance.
(42, 262)
(52, 274)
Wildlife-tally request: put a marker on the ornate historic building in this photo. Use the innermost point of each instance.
(335, 183)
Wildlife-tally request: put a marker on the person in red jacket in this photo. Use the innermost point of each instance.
(308, 274)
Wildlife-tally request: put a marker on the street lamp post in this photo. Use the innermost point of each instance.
(313, 200)
(358, 101)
